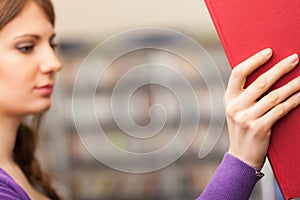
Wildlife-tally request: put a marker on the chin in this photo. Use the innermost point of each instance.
(41, 107)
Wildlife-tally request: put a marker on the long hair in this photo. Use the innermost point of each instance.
(27, 137)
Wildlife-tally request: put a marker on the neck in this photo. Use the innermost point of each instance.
(8, 133)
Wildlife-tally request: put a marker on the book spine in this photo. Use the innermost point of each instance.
(214, 16)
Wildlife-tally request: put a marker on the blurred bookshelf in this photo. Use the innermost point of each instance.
(82, 177)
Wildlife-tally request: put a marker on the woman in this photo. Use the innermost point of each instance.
(28, 66)
(249, 123)
(27, 70)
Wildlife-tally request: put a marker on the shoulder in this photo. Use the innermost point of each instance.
(9, 189)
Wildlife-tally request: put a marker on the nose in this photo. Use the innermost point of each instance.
(49, 62)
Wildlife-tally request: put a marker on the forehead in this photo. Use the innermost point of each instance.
(31, 19)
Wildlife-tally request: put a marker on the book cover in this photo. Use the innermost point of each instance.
(246, 27)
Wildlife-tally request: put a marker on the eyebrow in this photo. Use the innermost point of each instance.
(27, 35)
(34, 36)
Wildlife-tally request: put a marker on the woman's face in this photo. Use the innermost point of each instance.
(28, 63)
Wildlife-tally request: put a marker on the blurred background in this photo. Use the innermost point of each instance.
(80, 26)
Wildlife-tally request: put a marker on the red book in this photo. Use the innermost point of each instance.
(245, 27)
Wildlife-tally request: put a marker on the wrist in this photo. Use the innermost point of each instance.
(248, 159)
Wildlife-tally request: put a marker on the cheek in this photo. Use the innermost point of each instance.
(18, 76)
(13, 85)
(20, 103)
(17, 96)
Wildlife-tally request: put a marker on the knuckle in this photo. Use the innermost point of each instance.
(256, 59)
(242, 120)
(261, 82)
(294, 102)
(238, 72)
(268, 134)
(259, 128)
(230, 111)
(280, 111)
(274, 98)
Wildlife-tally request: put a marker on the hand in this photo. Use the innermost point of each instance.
(250, 121)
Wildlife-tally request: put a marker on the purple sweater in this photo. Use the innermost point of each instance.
(9, 189)
(233, 180)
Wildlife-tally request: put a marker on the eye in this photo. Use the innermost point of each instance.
(25, 48)
(53, 45)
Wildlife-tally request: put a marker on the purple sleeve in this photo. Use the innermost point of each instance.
(233, 180)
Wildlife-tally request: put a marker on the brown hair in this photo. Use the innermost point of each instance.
(27, 137)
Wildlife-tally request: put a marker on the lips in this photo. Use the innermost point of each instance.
(45, 90)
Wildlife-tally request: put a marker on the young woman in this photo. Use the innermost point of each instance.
(28, 66)
(249, 123)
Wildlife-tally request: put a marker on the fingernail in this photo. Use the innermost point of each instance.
(266, 52)
(293, 59)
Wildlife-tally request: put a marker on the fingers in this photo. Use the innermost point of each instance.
(274, 98)
(280, 110)
(250, 121)
(244, 101)
(266, 80)
(240, 72)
